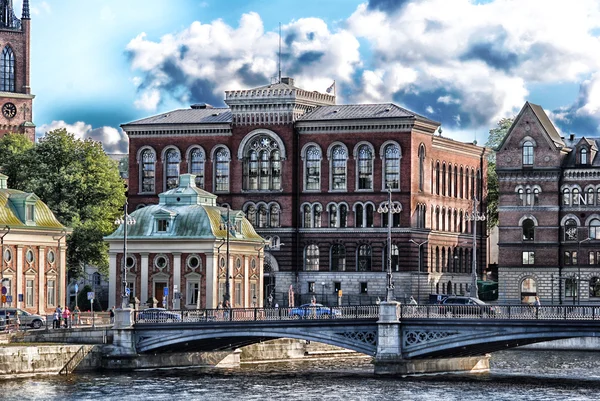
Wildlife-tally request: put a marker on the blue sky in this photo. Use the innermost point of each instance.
(99, 63)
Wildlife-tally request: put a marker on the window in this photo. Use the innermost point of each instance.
(364, 288)
(193, 262)
(528, 153)
(566, 197)
(437, 178)
(358, 219)
(51, 292)
(29, 293)
(364, 258)
(570, 230)
(338, 168)
(576, 197)
(253, 294)
(570, 287)
(312, 169)
(594, 229)
(395, 258)
(30, 212)
(312, 258)
(238, 294)
(528, 198)
(337, 287)
(365, 167)
(312, 288)
(274, 215)
(421, 167)
(197, 166)
(528, 290)
(262, 164)
(161, 262)
(594, 287)
(333, 215)
(583, 156)
(570, 257)
(148, 165)
(317, 210)
(51, 257)
(338, 258)
(528, 257)
(307, 216)
(589, 197)
(7, 75)
(29, 256)
(193, 293)
(162, 225)
(528, 230)
(7, 255)
(520, 197)
(343, 216)
(173, 158)
(536, 196)
(222, 170)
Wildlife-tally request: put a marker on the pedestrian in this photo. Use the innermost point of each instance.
(76, 313)
(66, 315)
(537, 302)
(226, 309)
(112, 315)
(56, 320)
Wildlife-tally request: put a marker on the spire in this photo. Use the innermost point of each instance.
(25, 14)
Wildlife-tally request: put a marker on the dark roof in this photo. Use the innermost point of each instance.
(571, 158)
(359, 112)
(546, 123)
(188, 116)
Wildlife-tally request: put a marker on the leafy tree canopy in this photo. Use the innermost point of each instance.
(495, 138)
(78, 182)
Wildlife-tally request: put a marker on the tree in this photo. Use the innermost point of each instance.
(81, 185)
(13, 149)
(495, 139)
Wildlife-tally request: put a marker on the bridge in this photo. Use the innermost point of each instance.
(403, 339)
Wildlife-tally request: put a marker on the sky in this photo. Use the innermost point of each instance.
(97, 64)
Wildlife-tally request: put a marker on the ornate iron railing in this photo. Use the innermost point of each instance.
(514, 312)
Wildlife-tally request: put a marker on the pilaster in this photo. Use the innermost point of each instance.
(19, 288)
(41, 309)
(144, 279)
(176, 279)
(112, 279)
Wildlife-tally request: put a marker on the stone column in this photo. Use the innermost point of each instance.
(62, 274)
(247, 299)
(210, 291)
(41, 280)
(112, 279)
(176, 279)
(144, 279)
(19, 288)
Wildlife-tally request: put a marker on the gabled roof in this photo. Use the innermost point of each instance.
(360, 112)
(188, 116)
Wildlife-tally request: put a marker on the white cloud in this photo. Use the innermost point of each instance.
(39, 8)
(113, 140)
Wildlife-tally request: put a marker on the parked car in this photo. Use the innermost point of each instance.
(307, 311)
(26, 318)
(158, 315)
(464, 306)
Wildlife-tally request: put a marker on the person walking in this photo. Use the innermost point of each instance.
(76, 313)
(66, 315)
(56, 319)
(537, 305)
(112, 315)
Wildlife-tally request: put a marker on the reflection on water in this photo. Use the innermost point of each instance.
(515, 375)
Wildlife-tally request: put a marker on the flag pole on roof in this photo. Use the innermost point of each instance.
(332, 88)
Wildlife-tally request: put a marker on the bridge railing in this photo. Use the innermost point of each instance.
(523, 312)
(251, 314)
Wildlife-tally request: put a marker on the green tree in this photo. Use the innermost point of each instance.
(495, 138)
(81, 185)
(14, 149)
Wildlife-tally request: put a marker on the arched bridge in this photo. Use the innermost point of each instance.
(390, 330)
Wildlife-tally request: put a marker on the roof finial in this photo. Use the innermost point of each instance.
(25, 10)
(279, 61)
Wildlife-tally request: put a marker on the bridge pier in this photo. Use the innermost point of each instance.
(123, 334)
(389, 358)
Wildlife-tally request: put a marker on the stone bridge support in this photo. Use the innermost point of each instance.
(389, 359)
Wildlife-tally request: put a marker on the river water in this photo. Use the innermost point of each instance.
(514, 376)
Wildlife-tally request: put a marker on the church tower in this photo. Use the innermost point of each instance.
(16, 100)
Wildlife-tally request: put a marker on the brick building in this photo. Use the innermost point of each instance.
(549, 213)
(311, 175)
(16, 100)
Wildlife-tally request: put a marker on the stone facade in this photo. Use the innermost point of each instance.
(16, 100)
(549, 208)
(311, 175)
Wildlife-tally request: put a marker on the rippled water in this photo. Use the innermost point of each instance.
(514, 375)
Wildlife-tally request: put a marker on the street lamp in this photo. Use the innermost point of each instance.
(579, 268)
(126, 220)
(323, 292)
(5, 233)
(474, 217)
(419, 276)
(389, 208)
(228, 227)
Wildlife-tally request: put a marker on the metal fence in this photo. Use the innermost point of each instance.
(515, 312)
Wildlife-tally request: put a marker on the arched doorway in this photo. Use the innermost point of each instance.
(528, 290)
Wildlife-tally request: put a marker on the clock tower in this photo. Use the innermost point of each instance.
(16, 100)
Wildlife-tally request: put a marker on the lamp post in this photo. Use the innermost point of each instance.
(579, 269)
(4, 234)
(419, 276)
(323, 292)
(126, 220)
(228, 227)
(389, 208)
(474, 217)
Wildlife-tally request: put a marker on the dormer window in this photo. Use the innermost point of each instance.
(162, 225)
(583, 156)
(30, 213)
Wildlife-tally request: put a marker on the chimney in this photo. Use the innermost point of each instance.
(571, 137)
(287, 81)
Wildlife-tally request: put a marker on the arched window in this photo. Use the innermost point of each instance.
(528, 197)
(274, 215)
(528, 230)
(455, 186)
(536, 196)
(392, 167)
(589, 197)
(437, 259)
(594, 229)
(333, 215)
(338, 258)
(369, 212)
(262, 216)
(173, 159)
(358, 215)
(222, 170)
(311, 256)
(583, 156)
(460, 184)
(437, 178)
(570, 287)
(343, 216)
(339, 157)
(566, 197)
(520, 197)
(364, 258)
(7, 75)
(528, 290)
(594, 287)
(365, 167)
(444, 180)
(147, 174)
(307, 216)
(395, 258)
(527, 153)
(196, 166)
(251, 215)
(262, 164)
(570, 230)
(575, 197)
(312, 169)
(421, 167)
(317, 210)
